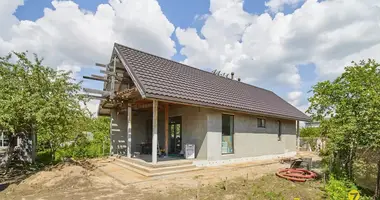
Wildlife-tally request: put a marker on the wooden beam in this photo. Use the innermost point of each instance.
(103, 93)
(98, 76)
(96, 97)
(101, 65)
(95, 78)
(167, 129)
(118, 71)
(154, 132)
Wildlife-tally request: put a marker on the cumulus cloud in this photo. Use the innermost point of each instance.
(294, 97)
(268, 50)
(73, 69)
(278, 5)
(85, 37)
(69, 38)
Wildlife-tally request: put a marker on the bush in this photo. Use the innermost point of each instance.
(310, 132)
(338, 189)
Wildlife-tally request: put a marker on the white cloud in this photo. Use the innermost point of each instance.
(93, 106)
(278, 5)
(74, 69)
(71, 36)
(268, 50)
(68, 37)
(294, 97)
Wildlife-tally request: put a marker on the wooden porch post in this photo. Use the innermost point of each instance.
(154, 132)
(167, 129)
(129, 130)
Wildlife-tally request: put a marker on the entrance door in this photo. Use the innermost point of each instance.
(175, 135)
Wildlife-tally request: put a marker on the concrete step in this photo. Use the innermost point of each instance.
(157, 171)
(156, 168)
(160, 164)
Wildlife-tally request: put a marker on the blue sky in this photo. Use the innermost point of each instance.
(281, 45)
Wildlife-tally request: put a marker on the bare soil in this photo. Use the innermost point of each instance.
(87, 180)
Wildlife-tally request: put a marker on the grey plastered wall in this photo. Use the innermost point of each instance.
(194, 127)
(249, 140)
(139, 129)
(214, 134)
(119, 133)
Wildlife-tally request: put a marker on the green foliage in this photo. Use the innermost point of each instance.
(93, 143)
(338, 189)
(38, 99)
(349, 111)
(310, 132)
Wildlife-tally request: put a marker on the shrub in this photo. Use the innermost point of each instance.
(338, 189)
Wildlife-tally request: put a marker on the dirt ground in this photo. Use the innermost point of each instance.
(88, 181)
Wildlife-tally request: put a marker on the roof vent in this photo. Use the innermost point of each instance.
(232, 75)
(239, 79)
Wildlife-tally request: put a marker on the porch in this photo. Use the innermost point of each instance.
(148, 132)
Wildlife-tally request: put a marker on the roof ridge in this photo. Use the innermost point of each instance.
(204, 71)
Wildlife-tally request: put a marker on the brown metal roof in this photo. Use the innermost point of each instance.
(165, 79)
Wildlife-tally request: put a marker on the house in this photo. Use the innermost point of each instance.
(312, 124)
(159, 105)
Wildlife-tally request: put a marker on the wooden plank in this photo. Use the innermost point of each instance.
(95, 78)
(101, 65)
(167, 129)
(118, 71)
(154, 132)
(103, 93)
(96, 97)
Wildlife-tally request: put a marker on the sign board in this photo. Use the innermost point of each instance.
(353, 195)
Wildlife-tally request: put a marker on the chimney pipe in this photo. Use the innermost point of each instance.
(232, 75)
(239, 79)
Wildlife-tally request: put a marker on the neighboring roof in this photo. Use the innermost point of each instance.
(165, 79)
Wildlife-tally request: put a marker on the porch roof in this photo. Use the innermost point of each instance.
(164, 79)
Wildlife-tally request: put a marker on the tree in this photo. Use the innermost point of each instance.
(349, 111)
(100, 128)
(38, 100)
(310, 132)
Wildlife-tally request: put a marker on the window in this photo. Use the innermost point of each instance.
(227, 134)
(3, 140)
(260, 122)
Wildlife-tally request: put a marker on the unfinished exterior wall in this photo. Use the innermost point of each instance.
(119, 135)
(194, 127)
(203, 127)
(250, 140)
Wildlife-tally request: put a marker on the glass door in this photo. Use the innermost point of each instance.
(227, 134)
(175, 134)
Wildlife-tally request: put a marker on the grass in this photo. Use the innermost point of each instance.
(267, 187)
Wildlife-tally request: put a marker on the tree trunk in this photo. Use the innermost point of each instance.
(34, 146)
(377, 191)
(350, 164)
(52, 153)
